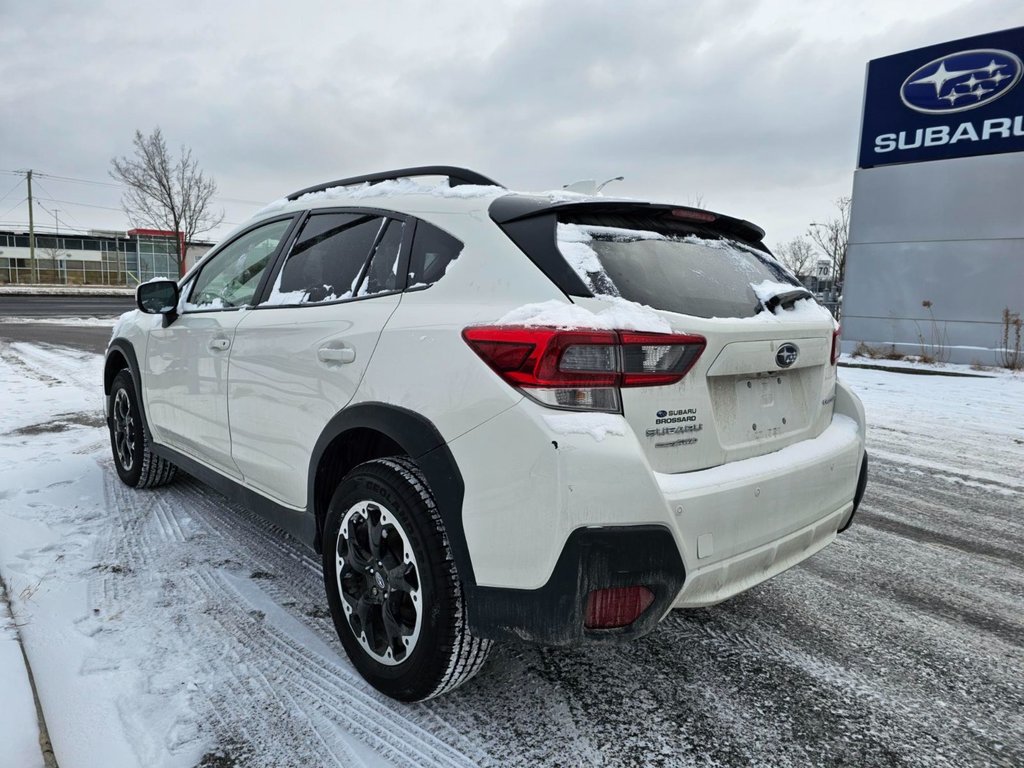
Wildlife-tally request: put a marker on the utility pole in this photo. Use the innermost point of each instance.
(34, 269)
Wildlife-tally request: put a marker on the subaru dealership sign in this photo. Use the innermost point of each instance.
(952, 100)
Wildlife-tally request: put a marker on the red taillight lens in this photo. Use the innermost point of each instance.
(530, 357)
(616, 607)
(584, 368)
(837, 336)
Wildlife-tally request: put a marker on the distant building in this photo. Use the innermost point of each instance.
(98, 257)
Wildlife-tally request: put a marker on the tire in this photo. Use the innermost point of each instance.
(136, 464)
(397, 603)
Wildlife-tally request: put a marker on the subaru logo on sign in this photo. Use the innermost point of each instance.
(786, 355)
(961, 81)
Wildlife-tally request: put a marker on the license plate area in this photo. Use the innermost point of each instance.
(758, 408)
(766, 407)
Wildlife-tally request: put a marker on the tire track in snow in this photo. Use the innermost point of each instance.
(187, 522)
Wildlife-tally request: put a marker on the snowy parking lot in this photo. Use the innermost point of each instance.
(174, 628)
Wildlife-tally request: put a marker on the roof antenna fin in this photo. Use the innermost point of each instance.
(590, 186)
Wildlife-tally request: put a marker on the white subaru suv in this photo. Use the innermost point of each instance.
(551, 417)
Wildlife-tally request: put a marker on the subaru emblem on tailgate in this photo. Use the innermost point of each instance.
(786, 355)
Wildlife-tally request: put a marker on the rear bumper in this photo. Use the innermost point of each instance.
(593, 558)
(566, 513)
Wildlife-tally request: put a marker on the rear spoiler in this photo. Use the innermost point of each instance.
(510, 208)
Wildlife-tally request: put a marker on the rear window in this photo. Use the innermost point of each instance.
(697, 274)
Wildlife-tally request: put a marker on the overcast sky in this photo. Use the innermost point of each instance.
(751, 105)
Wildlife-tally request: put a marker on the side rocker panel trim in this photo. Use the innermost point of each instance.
(296, 522)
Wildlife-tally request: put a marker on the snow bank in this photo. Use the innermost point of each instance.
(19, 728)
(98, 322)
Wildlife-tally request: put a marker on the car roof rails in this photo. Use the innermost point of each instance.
(456, 177)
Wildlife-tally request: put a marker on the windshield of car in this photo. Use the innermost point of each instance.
(699, 274)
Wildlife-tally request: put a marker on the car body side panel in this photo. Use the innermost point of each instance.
(184, 371)
(422, 362)
(290, 373)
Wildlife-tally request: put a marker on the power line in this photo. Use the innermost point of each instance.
(16, 185)
(82, 205)
(75, 180)
(24, 199)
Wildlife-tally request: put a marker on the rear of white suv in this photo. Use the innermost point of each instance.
(500, 416)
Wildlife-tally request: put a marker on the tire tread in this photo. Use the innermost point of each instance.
(466, 654)
(154, 470)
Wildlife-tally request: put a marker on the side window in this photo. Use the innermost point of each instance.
(231, 277)
(432, 251)
(382, 275)
(328, 259)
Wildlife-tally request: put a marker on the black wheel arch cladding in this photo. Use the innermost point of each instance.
(421, 441)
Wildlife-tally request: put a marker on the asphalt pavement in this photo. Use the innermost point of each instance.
(64, 306)
(48, 309)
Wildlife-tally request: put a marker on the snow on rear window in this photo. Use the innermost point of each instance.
(691, 275)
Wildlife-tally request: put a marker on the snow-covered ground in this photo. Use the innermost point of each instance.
(96, 322)
(19, 729)
(173, 628)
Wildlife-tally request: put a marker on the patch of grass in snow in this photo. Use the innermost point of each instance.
(235, 755)
(62, 423)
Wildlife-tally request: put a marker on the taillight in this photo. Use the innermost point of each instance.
(836, 343)
(616, 607)
(583, 369)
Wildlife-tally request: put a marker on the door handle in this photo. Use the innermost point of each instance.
(220, 344)
(336, 355)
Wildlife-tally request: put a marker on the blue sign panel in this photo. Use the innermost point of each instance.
(952, 100)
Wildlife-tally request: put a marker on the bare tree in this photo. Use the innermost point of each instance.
(797, 255)
(832, 238)
(167, 194)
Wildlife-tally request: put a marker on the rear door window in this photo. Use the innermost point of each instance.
(329, 258)
(699, 274)
(382, 274)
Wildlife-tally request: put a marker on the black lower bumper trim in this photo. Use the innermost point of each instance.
(593, 558)
(862, 484)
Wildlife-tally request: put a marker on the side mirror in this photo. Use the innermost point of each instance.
(157, 297)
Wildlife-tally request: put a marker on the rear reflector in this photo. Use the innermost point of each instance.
(583, 369)
(836, 343)
(616, 607)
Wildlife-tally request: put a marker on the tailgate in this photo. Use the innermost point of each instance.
(739, 400)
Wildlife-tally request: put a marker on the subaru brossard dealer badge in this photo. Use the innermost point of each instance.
(961, 81)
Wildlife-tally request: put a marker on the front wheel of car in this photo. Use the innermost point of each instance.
(136, 464)
(392, 586)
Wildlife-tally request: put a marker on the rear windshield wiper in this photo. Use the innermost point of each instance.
(786, 298)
